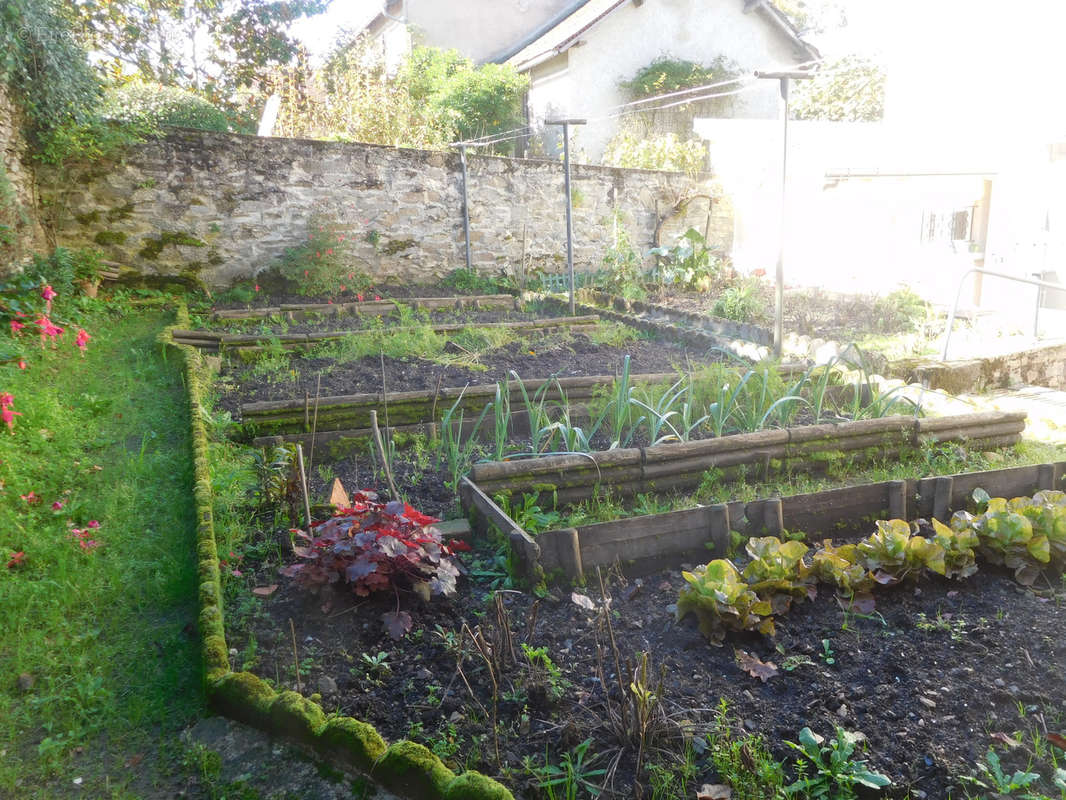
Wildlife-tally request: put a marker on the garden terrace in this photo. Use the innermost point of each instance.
(300, 311)
(650, 542)
(213, 341)
(570, 479)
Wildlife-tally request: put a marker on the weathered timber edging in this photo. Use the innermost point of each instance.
(719, 326)
(407, 768)
(648, 543)
(213, 340)
(692, 337)
(570, 479)
(300, 311)
(351, 413)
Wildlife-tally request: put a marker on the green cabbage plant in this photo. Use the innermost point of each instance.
(777, 571)
(893, 553)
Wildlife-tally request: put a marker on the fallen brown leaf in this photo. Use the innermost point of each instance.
(265, 591)
(763, 670)
(134, 760)
(1006, 740)
(1058, 740)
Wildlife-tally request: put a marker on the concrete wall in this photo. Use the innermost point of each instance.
(1040, 366)
(584, 82)
(223, 207)
(20, 232)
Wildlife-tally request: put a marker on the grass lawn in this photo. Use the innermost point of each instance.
(99, 662)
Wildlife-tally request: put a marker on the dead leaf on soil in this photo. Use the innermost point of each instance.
(397, 623)
(1058, 740)
(583, 601)
(763, 670)
(714, 791)
(265, 591)
(134, 760)
(1006, 740)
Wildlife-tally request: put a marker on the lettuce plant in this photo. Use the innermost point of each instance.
(841, 566)
(777, 571)
(958, 547)
(893, 553)
(721, 600)
(1007, 537)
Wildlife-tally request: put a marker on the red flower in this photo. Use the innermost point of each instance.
(458, 546)
(377, 297)
(16, 326)
(257, 287)
(359, 297)
(82, 339)
(57, 505)
(344, 288)
(318, 254)
(758, 273)
(306, 273)
(16, 559)
(340, 238)
(22, 364)
(93, 524)
(49, 294)
(30, 498)
(329, 252)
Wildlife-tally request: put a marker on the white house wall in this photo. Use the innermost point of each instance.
(634, 36)
(479, 29)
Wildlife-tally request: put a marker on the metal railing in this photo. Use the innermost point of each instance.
(1041, 285)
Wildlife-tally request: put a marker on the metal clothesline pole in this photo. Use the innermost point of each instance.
(566, 123)
(779, 287)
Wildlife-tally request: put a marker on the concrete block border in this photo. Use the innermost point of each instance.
(406, 768)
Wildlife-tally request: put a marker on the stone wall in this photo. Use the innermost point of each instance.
(1040, 366)
(20, 233)
(223, 207)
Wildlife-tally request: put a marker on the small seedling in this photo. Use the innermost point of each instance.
(827, 655)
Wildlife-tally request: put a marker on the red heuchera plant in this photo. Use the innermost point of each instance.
(373, 547)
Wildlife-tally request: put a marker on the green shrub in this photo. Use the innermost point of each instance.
(160, 106)
(740, 303)
(669, 74)
(666, 152)
(322, 265)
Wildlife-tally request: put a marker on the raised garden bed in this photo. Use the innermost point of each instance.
(214, 341)
(376, 308)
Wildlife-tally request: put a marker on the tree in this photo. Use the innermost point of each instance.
(852, 89)
(210, 46)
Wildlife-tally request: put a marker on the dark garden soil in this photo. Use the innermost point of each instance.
(540, 356)
(356, 322)
(264, 299)
(929, 696)
(809, 312)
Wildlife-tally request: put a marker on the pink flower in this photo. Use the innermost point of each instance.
(344, 288)
(82, 339)
(257, 287)
(49, 294)
(93, 524)
(8, 418)
(359, 297)
(48, 329)
(57, 505)
(306, 273)
(329, 252)
(377, 297)
(758, 273)
(7, 399)
(16, 559)
(318, 255)
(30, 498)
(16, 326)
(22, 364)
(340, 238)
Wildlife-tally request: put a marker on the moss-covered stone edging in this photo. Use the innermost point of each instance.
(406, 768)
(1044, 365)
(656, 541)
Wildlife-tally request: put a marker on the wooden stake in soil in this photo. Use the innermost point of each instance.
(380, 447)
(303, 484)
(314, 423)
(295, 657)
